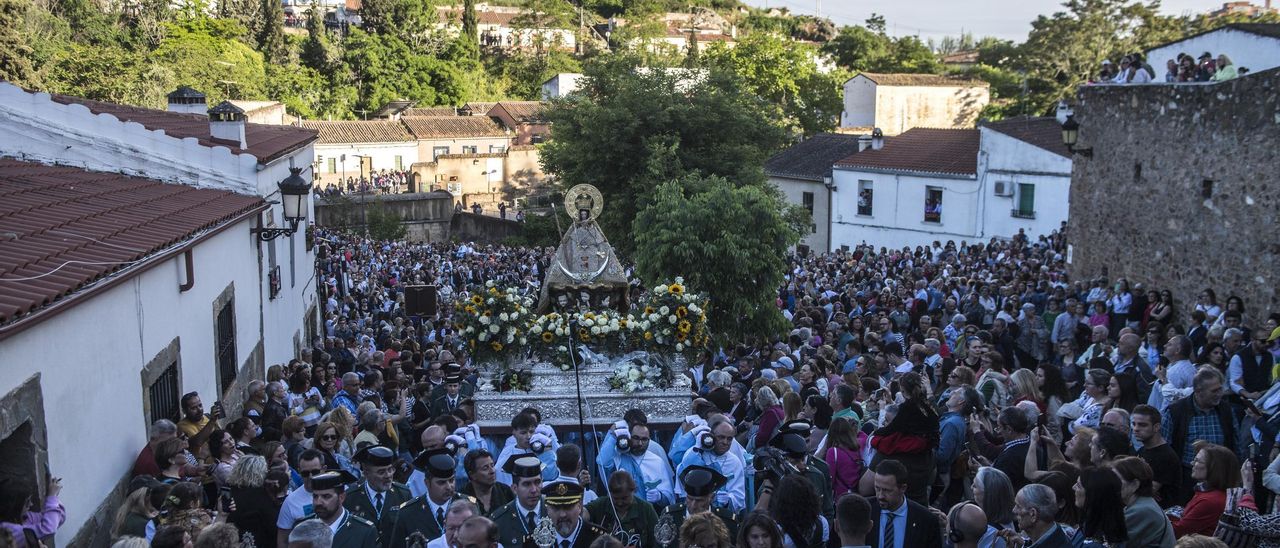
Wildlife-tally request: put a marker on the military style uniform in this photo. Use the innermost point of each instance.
(637, 526)
(354, 532)
(513, 529)
(358, 503)
(587, 534)
(414, 517)
(679, 512)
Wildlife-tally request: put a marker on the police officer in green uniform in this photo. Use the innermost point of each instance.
(425, 515)
(796, 449)
(700, 486)
(518, 519)
(452, 397)
(564, 509)
(622, 514)
(349, 530)
(378, 497)
(465, 389)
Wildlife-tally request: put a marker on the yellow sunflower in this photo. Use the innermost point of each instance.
(547, 337)
(676, 289)
(476, 299)
(648, 335)
(488, 313)
(680, 337)
(648, 310)
(470, 309)
(685, 326)
(496, 346)
(493, 291)
(681, 312)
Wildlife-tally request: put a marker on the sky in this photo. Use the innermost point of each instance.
(1006, 19)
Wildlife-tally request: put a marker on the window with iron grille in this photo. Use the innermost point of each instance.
(163, 395)
(225, 335)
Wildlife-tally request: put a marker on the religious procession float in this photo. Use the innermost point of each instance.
(583, 350)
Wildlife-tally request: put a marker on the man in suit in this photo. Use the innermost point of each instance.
(898, 522)
(1034, 509)
(518, 519)
(378, 497)
(426, 514)
(465, 389)
(350, 530)
(700, 485)
(564, 508)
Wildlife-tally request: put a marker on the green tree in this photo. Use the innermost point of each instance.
(628, 130)
(385, 68)
(408, 20)
(726, 239)
(539, 15)
(786, 75)
(909, 54)
(316, 51)
(15, 52)
(384, 224)
(470, 23)
(858, 48)
(271, 41)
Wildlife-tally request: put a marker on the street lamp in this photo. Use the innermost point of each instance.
(294, 191)
(1071, 135)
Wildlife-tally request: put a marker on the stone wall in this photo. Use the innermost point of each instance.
(425, 215)
(1182, 190)
(468, 227)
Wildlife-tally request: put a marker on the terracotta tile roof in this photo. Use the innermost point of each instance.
(435, 127)
(1045, 133)
(64, 228)
(449, 15)
(266, 142)
(359, 131)
(923, 150)
(480, 108)
(966, 56)
(812, 158)
(431, 111)
(916, 80)
(523, 112)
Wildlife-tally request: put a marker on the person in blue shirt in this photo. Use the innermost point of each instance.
(630, 448)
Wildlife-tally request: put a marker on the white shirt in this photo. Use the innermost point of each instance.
(337, 523)
(296, 505)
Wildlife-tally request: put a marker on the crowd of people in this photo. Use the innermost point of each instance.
(383, 181)
(1133, 69)
(947, 395)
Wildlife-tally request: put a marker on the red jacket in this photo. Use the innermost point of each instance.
(1200, 515)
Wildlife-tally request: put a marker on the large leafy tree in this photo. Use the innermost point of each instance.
(386, 68)
(784, 74)
(629, 130)
(723, 238)
(271, 40)
(15, 52)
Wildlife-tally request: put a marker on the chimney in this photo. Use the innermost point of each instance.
(864, 142)
(877, 139)
(187, 101)
(226, 123)
(1063, 112)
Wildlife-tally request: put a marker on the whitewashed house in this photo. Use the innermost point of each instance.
(357, 148)
(560, 85)
(802, 172)
(930, 185)
(896, 103)
(1255, 46)
(130, 273)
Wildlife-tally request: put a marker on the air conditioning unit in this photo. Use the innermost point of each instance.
(1004, 188)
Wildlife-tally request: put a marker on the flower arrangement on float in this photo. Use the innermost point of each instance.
(636, 376)
(494, 322)
(672, 320)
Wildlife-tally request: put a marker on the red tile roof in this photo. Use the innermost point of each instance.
(359, 131)
(266, 142)
(63, 229)
(1045, 133)
(923, 150)
(435, 127)
(523, 112)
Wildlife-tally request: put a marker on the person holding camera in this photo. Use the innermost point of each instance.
(713, 450)
(530, 437)
(630, 448)
(195, 424)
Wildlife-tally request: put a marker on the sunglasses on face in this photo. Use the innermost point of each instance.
(329, 437)
(308, 473)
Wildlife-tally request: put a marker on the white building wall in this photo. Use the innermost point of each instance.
(793, 192)
(899, 108)
(897, 217)
(383, 154)
(1245, 49)
(560, 85)
(1005, 159)
(92, 389)
(859, 103)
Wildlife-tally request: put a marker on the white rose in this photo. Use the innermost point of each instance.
(694, 308)
(489, 300)
(563, 349)
(560, 331)
(653, 317)
(564, 367)
(484, 320)
(660, 289)
(510, 338)
(483, 336)
(503, 316)
(680, 280)
(511, 330)
(494, 329)
(523, 341)
(489, 283)
(673, 318)
(664, 310)
(535, 329)
(633, 374)
(644, 369)
(679, 347)
(595, 330)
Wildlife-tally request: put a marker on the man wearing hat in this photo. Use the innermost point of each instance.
(465, 389)
(426, 514)
(517, 519)
(793, 445)
(564, 507)
(700, 486)
(378, 497)
(451, 398)
(349, 530)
